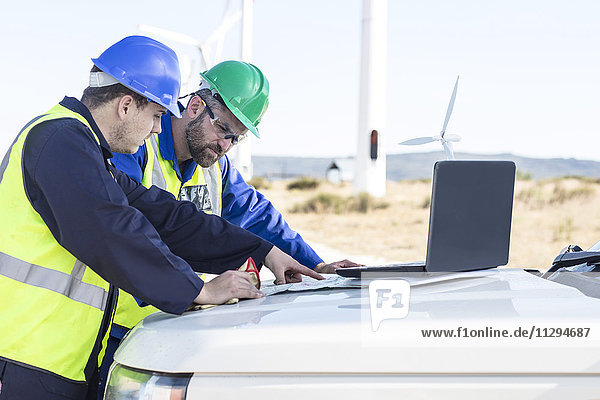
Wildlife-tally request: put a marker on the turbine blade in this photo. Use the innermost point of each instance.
(167, 34)
(450, 107)
(452, 137)
(227, 23)
(448, 149)
(417, 141)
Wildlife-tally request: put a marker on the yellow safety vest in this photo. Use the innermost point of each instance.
(205, 193)
(52, 306)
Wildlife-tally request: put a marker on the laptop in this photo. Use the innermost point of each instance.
(470, 217)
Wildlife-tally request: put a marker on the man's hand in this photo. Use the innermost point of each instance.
(228, 285)
(286, 269)
(323, 268)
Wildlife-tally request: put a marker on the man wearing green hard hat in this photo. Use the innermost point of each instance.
(189, 160)
(77, 228)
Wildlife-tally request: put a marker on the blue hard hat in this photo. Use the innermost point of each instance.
(145, 66)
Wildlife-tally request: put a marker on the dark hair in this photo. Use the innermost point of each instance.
(96, 96)
(213, 101)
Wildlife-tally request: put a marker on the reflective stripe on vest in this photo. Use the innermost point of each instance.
(52, 305)
(203, 189)
(69, 285)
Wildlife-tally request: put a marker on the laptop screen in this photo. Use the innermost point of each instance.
(470, 215)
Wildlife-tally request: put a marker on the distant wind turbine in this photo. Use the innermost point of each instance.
(445, 139)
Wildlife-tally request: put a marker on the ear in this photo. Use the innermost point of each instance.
(125, 106)
(194, 107)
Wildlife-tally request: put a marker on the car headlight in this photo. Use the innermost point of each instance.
(134, 384)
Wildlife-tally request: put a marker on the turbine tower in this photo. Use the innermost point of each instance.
(241, 155)
(370, 166)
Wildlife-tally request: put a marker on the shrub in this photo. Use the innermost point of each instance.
(587, 179)
(524, 176)
(426, 203)
(303, 183)
(418, 180)
(259, 183)
(364, 202)
(320, 204)
(553, 192)
(325, 203)
(531, 195)
(563, 230)
(561, 195)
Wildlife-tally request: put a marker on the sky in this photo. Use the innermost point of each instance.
(529, 69)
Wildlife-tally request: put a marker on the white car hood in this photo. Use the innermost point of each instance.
(329, 331)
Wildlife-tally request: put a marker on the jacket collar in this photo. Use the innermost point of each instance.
(167, 148)
(78, 107)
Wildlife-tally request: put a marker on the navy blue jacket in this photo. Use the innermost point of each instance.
(242, 204)
(141, 240)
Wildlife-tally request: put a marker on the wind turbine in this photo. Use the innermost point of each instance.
(445, 139)
(210, 49)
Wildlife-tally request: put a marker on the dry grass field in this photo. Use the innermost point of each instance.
(547, 215)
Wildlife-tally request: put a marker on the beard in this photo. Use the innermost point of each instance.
(200, 149)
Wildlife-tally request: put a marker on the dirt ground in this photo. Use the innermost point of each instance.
(547, 216)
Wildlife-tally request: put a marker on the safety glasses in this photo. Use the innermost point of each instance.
(222, 129)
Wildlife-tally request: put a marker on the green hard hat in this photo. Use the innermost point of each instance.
(243, 88)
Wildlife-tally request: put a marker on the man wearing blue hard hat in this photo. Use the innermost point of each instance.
(189, 160)
(76, 228)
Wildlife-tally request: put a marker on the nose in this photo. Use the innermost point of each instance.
(156, 127)
(224, 143)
